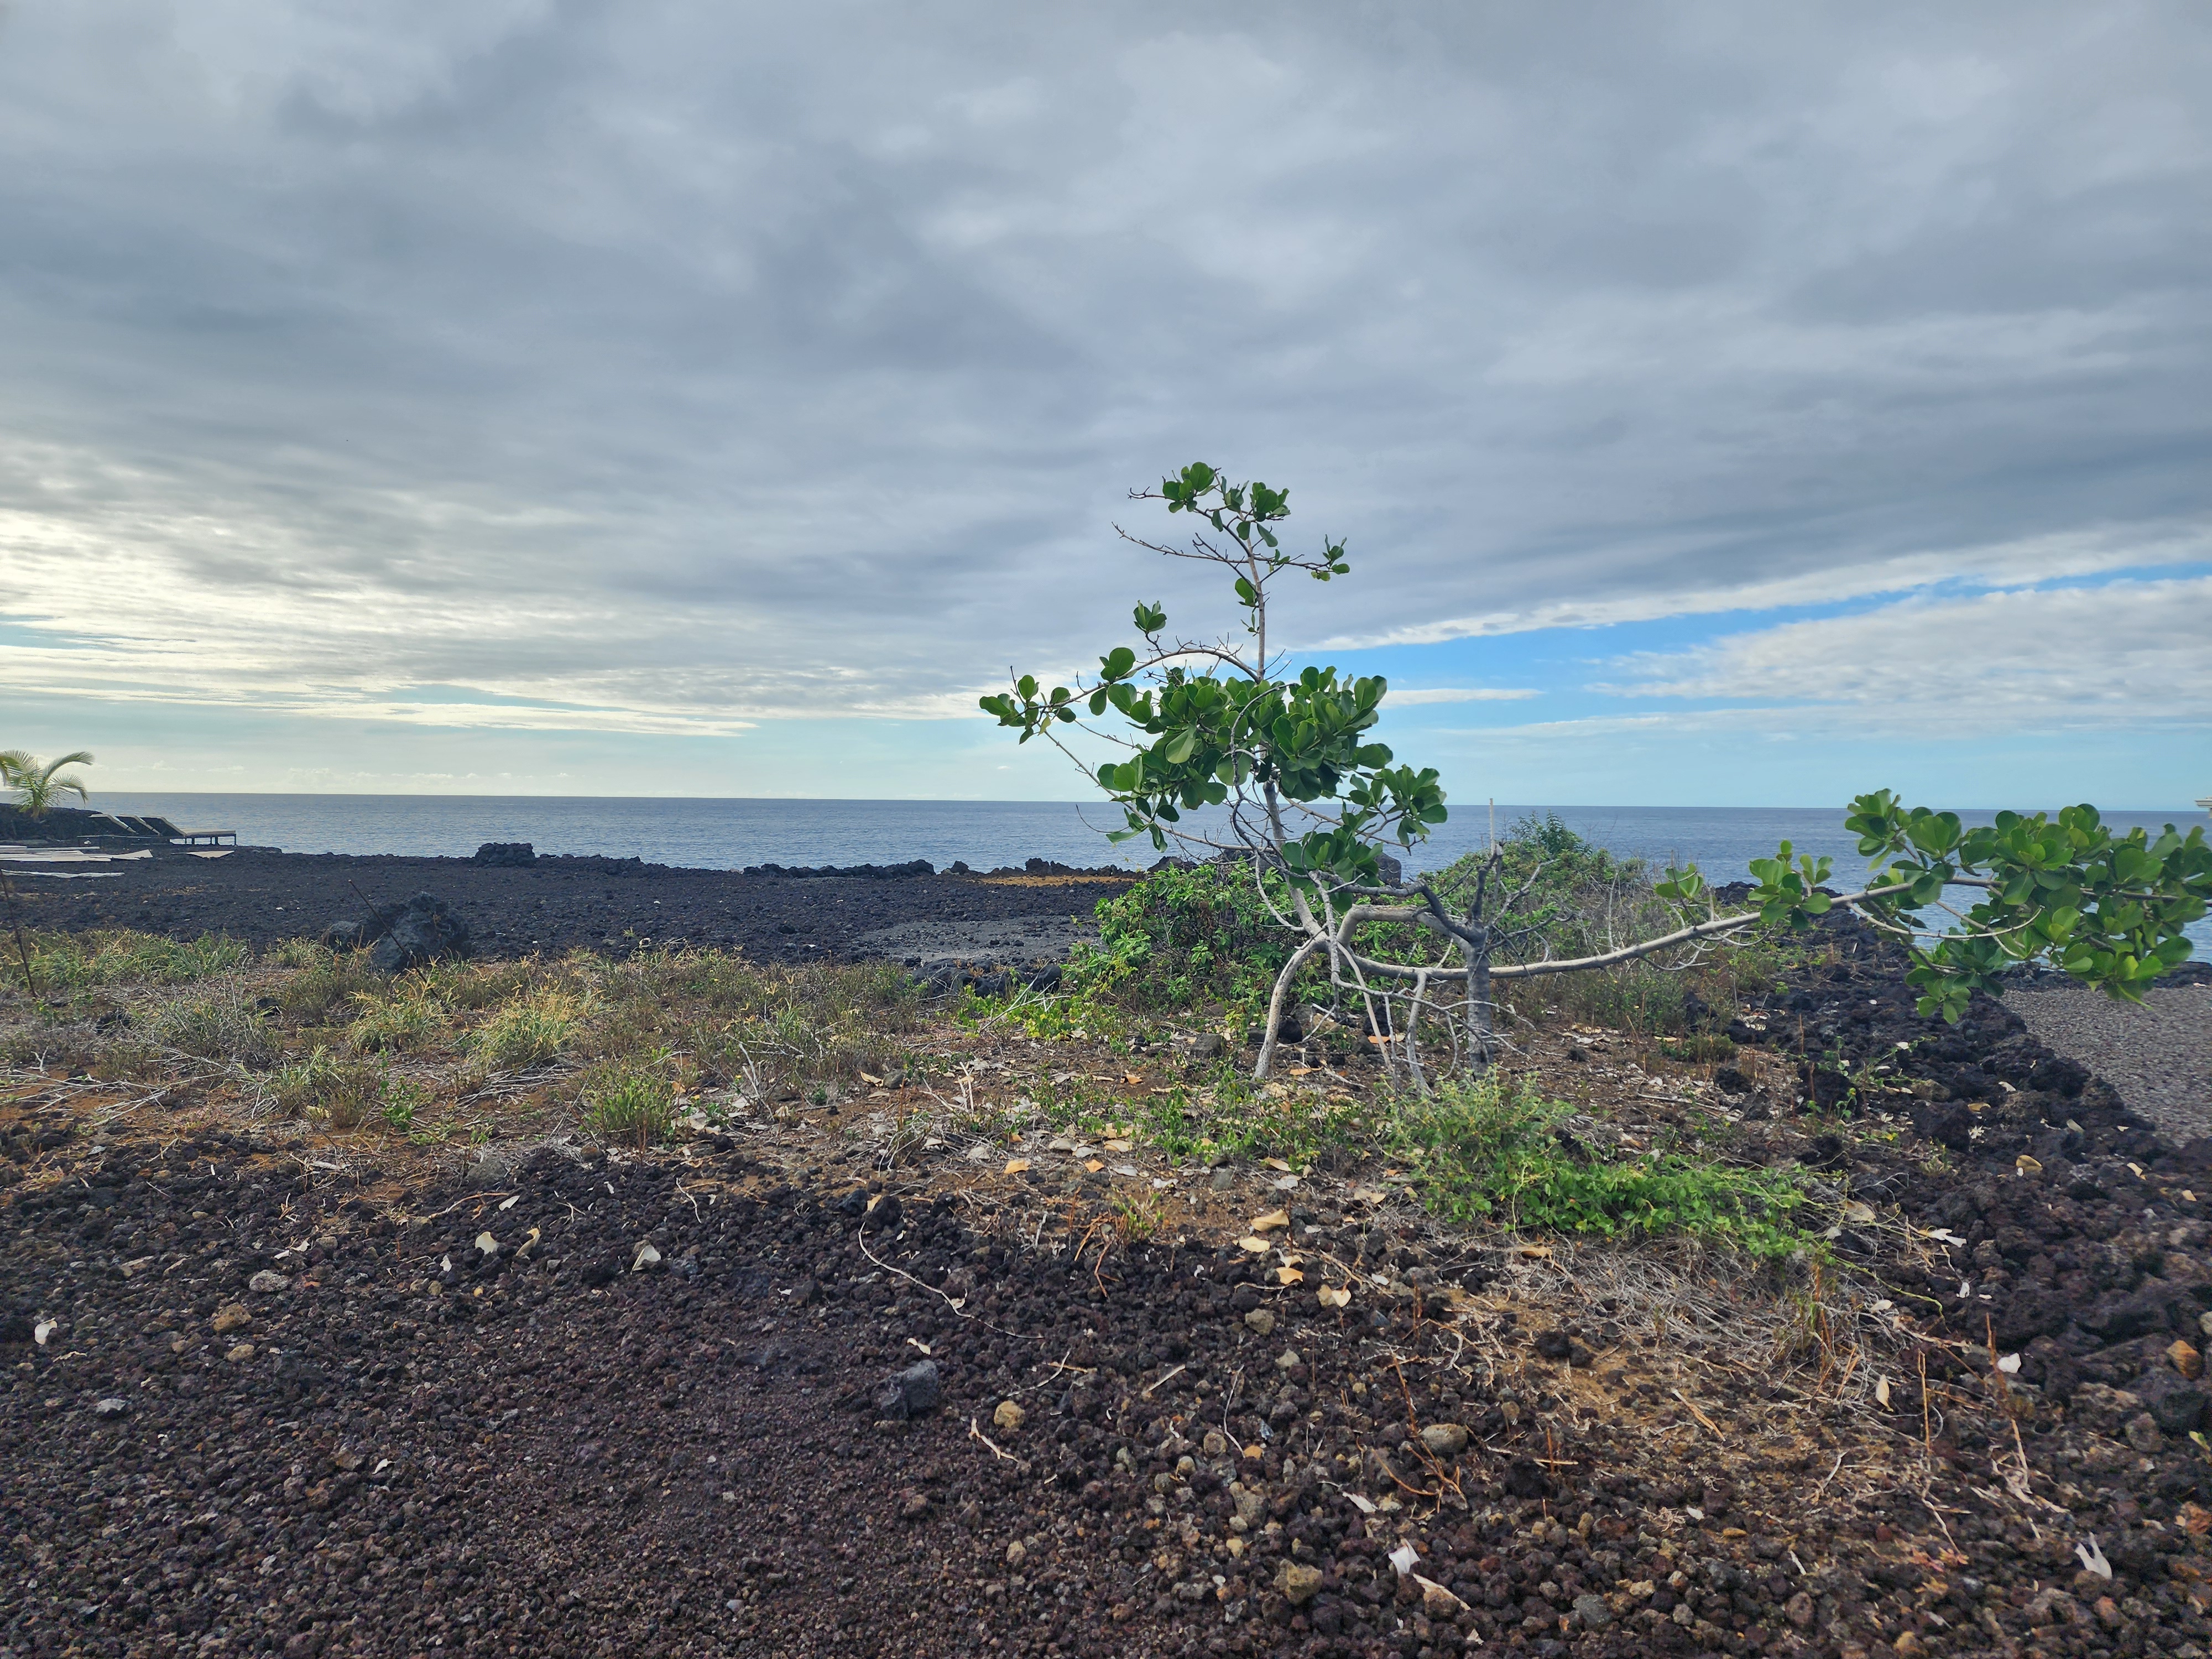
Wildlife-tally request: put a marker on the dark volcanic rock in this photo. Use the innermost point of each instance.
(911, 1393)
(560, 903)
(426, 931)
(505, 856)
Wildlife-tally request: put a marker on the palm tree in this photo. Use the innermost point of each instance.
(35, 787)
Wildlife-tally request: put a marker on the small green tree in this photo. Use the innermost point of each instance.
(35, 787)
(1224, 753)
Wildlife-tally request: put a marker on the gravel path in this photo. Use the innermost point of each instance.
(2158, 1055)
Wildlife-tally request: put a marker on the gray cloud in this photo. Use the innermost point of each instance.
(701, 365)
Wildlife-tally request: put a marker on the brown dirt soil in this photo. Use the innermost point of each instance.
(414, 1444)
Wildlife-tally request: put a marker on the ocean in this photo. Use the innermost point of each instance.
(724, 834)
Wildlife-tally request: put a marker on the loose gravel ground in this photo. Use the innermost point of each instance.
(2158, 1055)
(269, 1398)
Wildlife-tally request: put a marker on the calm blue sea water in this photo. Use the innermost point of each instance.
(730, 834)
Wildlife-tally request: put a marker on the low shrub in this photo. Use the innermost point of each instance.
(1185, 940)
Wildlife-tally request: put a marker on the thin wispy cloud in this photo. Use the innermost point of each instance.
(1463, 694)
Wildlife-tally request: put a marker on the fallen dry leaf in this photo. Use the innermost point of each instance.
(1334, 1297)
(1881, 1392)
(872, 1082)
(1133, 1080)
(1858, 1214)
(1274, 1163)
(1257, 1246)
(2027, 1166)
(1016, 1165)
(1289, 1276)
(1093, 1165)
(1269, 1222)
(1534, 1252)
(1120, 1145)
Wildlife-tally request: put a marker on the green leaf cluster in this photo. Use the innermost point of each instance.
(1202, 735)
(2064, 890)
(1183, 940)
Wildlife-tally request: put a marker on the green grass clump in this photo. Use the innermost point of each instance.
(629, 1103)
(397, 1023)
(529, 1030)
(222, 1027)
(320, 1084)
(328, 981)
(72, 961)
(1481, 1151)
(475, 985)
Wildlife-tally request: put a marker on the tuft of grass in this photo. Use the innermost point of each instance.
(301, 953)
(322, 1085)
(225, 1026)
(332, 982)
(401, 1099)
(1139, 1217)
(629, 1103)
(397, 1024)
(475, 985)
(530, 1030)
(75, 962)
(1482, 1151)
(1698, 1047)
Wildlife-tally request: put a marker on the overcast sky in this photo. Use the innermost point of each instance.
(1723, 405)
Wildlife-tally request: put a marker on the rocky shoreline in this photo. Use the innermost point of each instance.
(1017, 917)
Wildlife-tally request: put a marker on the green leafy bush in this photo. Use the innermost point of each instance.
(1185, 940)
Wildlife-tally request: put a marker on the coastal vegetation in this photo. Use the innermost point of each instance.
(1229, 754)
(1142, 1047)
(36, 786)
